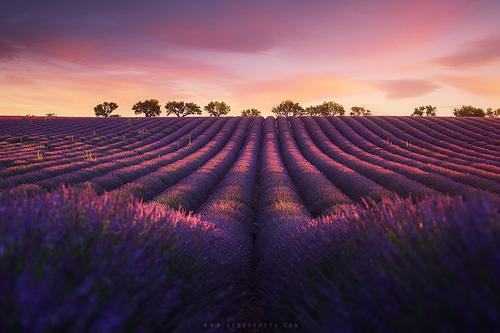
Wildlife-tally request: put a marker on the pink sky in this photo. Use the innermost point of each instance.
(389, 56)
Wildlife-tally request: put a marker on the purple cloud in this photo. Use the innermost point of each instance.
(405, 88)
(473, 54)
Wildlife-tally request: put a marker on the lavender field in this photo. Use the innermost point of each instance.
(201, 224)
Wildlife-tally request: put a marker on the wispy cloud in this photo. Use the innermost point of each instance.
(405, 88)
(302, 88)
(473, 54)
(479, 85)
(251, 52)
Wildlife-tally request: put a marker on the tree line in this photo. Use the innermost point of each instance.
(152, 108)
(463, 111)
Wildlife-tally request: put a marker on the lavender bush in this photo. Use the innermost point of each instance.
(394, 267)
(71, 261)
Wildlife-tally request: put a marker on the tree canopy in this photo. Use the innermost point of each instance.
(360, 111)
(182, 109)
(250, 113)
(493, 113)
(105, 109)
(288, 108)
(150, 108)
(217, 109)
(468, 111)
(326, 109)
(429, 111)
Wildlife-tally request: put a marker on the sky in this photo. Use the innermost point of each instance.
(390, 56)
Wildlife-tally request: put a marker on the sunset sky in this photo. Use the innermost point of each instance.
(66, 56)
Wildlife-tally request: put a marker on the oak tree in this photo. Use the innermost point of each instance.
(250, 113)
(288, 108)
(468, 111)
(429, 111)
(182, 109)
(217, 109)
(326, 109)
(105, 109)
(360, 111)
(150, 108)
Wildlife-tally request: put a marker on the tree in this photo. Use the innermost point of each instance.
(418, 111)
(360, 111)
(429, 111)
(105, 109)
(150, 108)
(468, 111)
(217, 109)
(51, 114)
(325, 109)
(250, 113)
(493, 113)
(182, 109)
(288, 108)
(312, 110)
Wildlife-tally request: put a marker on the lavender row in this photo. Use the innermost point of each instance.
(467, 175)
(73, 151)
(469, 153)
(487, 125)
(376, 134)
(346, 153)
(73, 261)
(54, 135)
(395, 267)
(353, 184)
(445, 154)
(451, 136)
(69, 170)
(191, 192)
(69, 167)
(127, 165)
(483, 137)
(234, 198)
(440, 183)
(279, 210)
(317, 192)
(197, 154)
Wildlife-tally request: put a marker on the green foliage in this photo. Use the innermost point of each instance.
(182, 109)
(288, 108)
(250, 113)
(468, 111)
(326, 109)
(493, 113)
(360, 111)
(105, 109)
(50, 114)
(429, 111)
(150, 108)
(217, 109)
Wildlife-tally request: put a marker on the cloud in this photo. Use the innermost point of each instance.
(479, 85)
(231, 26)
(7, 51)
(301, 88)
(227, 26)
(405, 88)
(472, 54)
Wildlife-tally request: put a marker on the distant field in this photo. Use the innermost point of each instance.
(306, 224)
